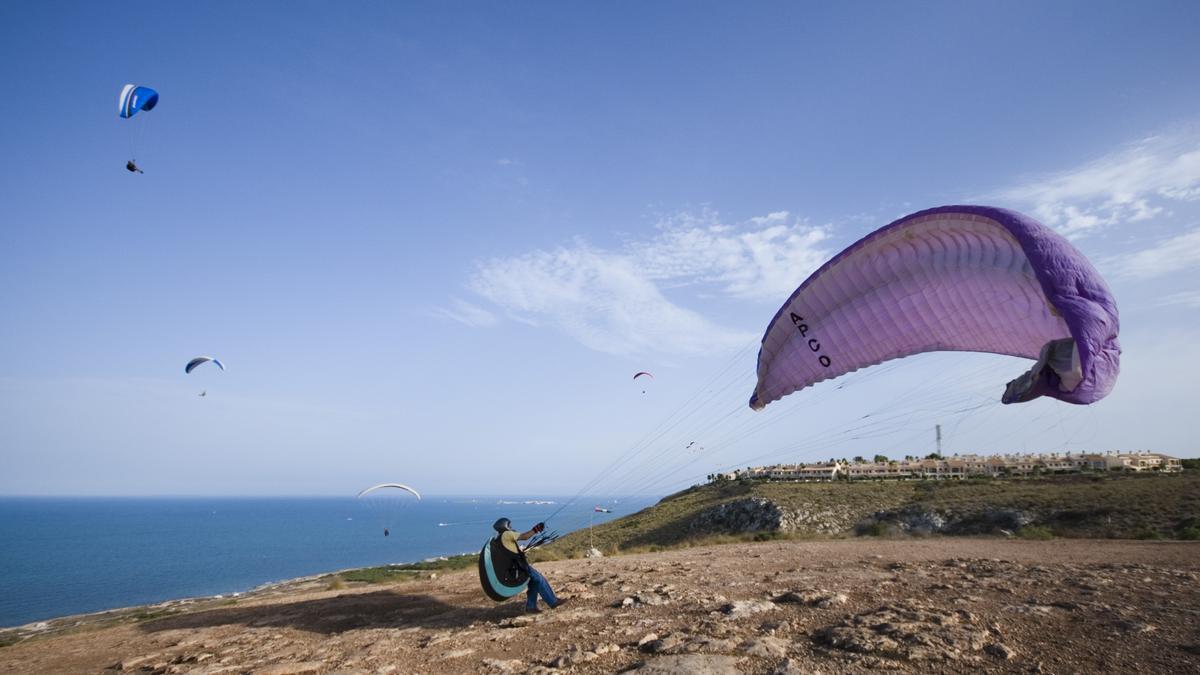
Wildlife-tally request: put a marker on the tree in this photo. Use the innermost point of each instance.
(858, 459)
(933, 455)
(880, 459)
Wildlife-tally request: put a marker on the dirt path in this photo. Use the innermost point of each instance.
(928, 605)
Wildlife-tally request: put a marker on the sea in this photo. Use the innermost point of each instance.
(62, 556)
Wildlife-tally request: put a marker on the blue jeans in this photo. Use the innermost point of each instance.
(539, 586)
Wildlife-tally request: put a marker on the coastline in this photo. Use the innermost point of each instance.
(65, 622)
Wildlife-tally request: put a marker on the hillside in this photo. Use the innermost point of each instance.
(938, 604)
(1092, 506)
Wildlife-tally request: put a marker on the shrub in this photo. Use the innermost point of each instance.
(335, 584)
(1188, 534)
(1035, 532)
(1148, 534)
(543, 555)
(874, 529)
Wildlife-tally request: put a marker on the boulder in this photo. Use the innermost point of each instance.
(767, 647)
(298, 668)
(909, 631)
(690, 664)
(742, 608)
(812, 597)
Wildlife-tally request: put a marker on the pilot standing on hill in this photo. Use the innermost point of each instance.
(537, 583)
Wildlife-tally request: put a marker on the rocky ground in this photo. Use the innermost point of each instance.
(855, 605)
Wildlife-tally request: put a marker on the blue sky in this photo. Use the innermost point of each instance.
(432, 242)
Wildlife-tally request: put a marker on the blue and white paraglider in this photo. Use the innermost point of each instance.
(135, 99)
(199, 361)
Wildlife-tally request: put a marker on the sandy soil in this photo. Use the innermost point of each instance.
(927, 605)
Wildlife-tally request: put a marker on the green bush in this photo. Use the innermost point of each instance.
(875, 529)
(1035, 532)
(1188, 534)
(407, 572)
(1148, 534)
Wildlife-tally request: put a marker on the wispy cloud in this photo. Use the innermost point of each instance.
(600, 299)
(1178, 253)
(1184, 298)
(1133, 184)
(467, 313)
(613, 300)
(763, 259)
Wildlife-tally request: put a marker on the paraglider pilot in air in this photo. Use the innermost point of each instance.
(132, 167)
(537, 583)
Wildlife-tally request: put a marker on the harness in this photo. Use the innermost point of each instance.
(502, 573)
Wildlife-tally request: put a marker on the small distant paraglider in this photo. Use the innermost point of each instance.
(388, 501)
(199, 361)
(642, 373)
(135, 99)
(601, 509)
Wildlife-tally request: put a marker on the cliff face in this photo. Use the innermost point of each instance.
(758, 514)
(1074, 506)
(859, 605)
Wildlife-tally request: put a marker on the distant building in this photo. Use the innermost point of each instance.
(795, 472)
(961, 466)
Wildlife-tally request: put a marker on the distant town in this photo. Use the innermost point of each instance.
(935, 466)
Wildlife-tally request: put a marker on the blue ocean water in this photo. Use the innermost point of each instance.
(61, 556)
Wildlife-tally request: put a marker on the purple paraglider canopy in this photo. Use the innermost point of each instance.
(952, 278)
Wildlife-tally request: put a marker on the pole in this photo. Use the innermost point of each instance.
(939, 439)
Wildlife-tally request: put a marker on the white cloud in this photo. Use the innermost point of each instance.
(467, 313)
(765, 259)
(1171, 255)
(1131, 185)
(613, 301)
(600, 299)
(1184, 298)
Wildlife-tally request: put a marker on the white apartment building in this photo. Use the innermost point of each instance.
(958, 467)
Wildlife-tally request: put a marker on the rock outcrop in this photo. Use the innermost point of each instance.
(922, 520)
(757, 514)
